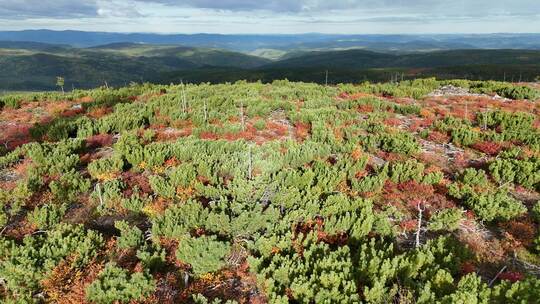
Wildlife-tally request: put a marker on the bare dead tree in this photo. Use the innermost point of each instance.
(98, 190)
(326, 78)
(496, 276)
(242, 117)
(205, 111)
(184, 99)
(421, 208)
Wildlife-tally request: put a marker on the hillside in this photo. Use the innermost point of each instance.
(361, 59)
(31, 66)
(197, 56)
(421, 191)
(35, 66)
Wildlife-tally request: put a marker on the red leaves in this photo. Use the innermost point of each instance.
(100, 140)
(208, 135)
(301, 130)
(409, 225)
(488, 147)
(14, 135)
(277, 128)
(72, 112)
(392, 122)
(413, 187)
(512, 276)
(438, 137)
(356, 154)
(467, 267)
(519, 233)
(99, 112)
(365, 108)
(133, 180)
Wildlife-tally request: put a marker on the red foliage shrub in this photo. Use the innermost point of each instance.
(438, 137)
(208, 136)
(391, 157)
(72, 113)
(417, 124)
(441, 112)
(392, 122)
(100, 140)
(301, 130)
(343, 95)
(133, 180)
(277, 128)
(512, 276)
(99, 112)
(467, 267)
(522, 233)
(426, 113)
(415, 188)
(461, 160)
(365, 108)
(14, 135)
(66, 285)
(356, 153)
(488, 147)
(409, 225)
(469, 214)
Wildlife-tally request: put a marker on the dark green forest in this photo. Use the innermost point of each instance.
(26, 66)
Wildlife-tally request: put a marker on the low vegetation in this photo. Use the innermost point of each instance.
(281, 193)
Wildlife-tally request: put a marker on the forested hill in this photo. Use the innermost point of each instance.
(420, 191)
(35, 66)
(361, 59)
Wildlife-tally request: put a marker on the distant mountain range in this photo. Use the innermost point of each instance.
(84, 62)
(248, 43)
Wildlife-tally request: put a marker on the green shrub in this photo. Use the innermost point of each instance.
(406, 171)
(205, 254)
(446, 219)
(24, 266)
(105, 168)
(525, 291)
(464, 136)
(321, 274)
(11, 101)
(496, 205)
(399, 143)
(536, 211)
(116, 285)
(130, 237)
(47, 216)
(524, 172)
(69, 186)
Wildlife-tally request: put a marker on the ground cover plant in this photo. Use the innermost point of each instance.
(271, 193)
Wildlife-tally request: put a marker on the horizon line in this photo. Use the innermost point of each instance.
(274, 34)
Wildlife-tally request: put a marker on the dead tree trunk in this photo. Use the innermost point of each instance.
(184, 100)
(421, 208)
(98, 189)
(205, 111)
(242, 118)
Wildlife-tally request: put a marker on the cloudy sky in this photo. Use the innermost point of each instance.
(274, 16)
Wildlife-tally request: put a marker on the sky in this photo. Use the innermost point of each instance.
(274, 16)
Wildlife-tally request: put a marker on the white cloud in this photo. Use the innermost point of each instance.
(117, 8)
(274, 16)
